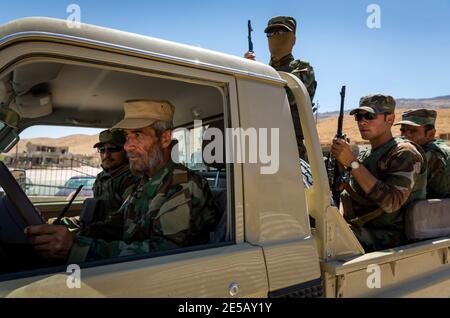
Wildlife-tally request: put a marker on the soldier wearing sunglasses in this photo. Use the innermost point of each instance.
(383, 179)
(281, 38)
(111, 183)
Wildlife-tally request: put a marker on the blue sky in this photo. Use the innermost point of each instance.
(407, 57)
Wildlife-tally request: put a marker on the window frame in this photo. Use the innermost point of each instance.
(227, 86)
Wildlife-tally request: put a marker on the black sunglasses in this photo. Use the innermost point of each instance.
(276, 32)
(366, 116)
(110, 149)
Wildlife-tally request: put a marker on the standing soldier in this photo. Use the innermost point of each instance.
(419, 126)
(280, 33)
(281, 37)
(384, 179)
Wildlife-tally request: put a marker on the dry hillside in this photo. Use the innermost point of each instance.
(82, 144)
(78, 144)
(327, 125)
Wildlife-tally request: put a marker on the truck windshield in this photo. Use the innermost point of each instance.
(55, 164)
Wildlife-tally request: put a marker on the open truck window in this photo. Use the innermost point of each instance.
(82, 95)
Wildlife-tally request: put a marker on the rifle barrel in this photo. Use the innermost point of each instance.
(341, 114)
(338, 169)
(250, 29)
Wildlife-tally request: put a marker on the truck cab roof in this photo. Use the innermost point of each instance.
(58, 29)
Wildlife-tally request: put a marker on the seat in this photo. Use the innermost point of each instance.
(90, 205)
(427, 219)
(220, 232)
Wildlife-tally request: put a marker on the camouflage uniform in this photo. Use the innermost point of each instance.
(437, 154)
(305, 73)
(302, 69)
(173, 209)
(400, 167)
(110, 186)
(110, 189)
(438, 179)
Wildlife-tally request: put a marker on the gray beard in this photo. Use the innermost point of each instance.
(150, 163)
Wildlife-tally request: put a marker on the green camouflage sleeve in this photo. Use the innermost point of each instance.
(435, 175)
(305, 72)
(436, 164)
(185, 217)
(400, 171)
(123, 183)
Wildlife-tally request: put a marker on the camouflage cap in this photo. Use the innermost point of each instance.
(143, 113)
(281, 21)
(376, 104)
(418, 117)
(115, 137)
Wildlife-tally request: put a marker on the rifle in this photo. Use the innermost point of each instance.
(66, 208)
(250, 30)
(339, 176)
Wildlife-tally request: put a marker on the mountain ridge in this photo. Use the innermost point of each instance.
(326, 125)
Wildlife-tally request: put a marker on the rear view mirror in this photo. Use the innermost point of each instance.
(9, 117)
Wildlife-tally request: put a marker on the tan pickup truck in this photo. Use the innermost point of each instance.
(52, 74)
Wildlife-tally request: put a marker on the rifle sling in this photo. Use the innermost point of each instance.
(362, 220)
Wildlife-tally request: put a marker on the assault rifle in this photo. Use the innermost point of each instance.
(338, 176)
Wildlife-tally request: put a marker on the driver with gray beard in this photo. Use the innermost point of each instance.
(171, 206)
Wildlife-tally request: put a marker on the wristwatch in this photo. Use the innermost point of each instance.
(354, 165)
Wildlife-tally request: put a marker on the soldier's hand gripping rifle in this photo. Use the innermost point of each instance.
(338, 174)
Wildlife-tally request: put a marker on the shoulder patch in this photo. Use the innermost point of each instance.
(406, 145)
(179, 177)
(303, 63)
(302, 66)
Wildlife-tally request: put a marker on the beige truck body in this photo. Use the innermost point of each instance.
(271, 249)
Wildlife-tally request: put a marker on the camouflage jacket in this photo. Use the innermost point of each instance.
(110, 189)
(400, 167)
(173, 209)
(302, 69)
(305, 72)
(438, 177)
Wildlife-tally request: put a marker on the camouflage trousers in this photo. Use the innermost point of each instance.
(373, 239)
